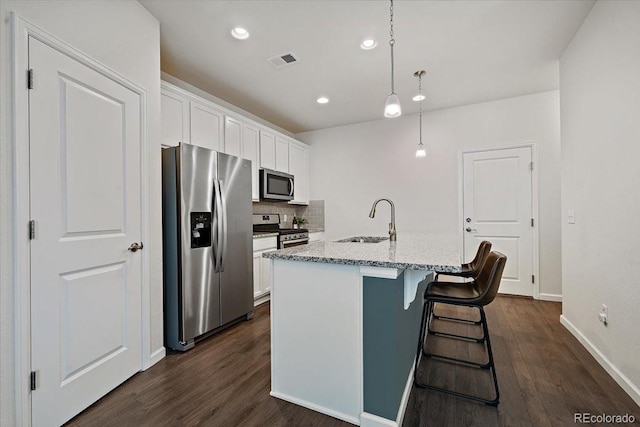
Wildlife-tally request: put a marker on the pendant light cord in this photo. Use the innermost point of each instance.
(420, 104)
(392, 41)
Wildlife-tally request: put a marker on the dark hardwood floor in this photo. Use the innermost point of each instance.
(545, 376)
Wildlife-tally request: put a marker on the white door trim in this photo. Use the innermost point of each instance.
(534, 205)
(21, 30)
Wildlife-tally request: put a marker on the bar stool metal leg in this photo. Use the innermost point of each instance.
(427, 312)
(480, 293)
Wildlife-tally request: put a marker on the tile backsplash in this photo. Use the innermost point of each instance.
(313, 213)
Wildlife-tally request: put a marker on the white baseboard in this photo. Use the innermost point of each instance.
(405, 397)
(155, 357)
(622, 380)
(370, 420)
(550, 297)
(262, 299)
(332, 413)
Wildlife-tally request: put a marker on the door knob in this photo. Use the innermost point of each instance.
(135, 246)
(469, 229)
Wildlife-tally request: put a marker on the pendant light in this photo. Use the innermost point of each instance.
(421, 151)
(392, 107)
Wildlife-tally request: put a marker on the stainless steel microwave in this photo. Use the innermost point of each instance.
(275, 185)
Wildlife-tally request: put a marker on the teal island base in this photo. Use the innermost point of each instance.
(343, 338)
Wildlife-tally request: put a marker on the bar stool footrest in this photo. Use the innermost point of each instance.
(480, 340)
(491, 402)
(457, 319)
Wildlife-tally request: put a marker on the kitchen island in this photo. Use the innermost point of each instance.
(344, 322)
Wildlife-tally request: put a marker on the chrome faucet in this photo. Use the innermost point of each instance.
(392, 224)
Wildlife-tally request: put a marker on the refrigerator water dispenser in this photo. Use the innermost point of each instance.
(200, 229)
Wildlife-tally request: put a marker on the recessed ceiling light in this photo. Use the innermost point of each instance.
(368, 44)
(419, 97)
(240, 33)
(322, 100)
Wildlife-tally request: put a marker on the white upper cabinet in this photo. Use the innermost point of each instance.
(206, 126)
(282, 154)
(267, 150)
(232, 136)
(175, 118)
(192, 119)
(251, 151)
(299, 168)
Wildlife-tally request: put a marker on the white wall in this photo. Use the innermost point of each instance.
(125, 37)
(351, 166)
(600, 112)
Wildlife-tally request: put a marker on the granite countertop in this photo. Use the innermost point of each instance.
(431, 252)
(315, 230)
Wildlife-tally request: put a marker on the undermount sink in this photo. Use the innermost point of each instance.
(363, 239)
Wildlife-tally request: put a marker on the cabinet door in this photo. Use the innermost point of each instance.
(257, 276)
(206, 126)
(232, 136)
(175, 116)
(299, 168)
(251, 151)
(267, 150)
(265, 271)
(282, 155)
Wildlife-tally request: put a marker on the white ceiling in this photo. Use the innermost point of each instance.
(473, 51)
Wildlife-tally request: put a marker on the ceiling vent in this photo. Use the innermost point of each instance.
(283, 59)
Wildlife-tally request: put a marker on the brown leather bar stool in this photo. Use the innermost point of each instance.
(471, 269)
(481, 292)
(468, 272)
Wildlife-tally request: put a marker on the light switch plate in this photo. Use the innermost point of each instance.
(571, 216)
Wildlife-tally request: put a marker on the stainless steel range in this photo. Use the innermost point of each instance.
(287, 237)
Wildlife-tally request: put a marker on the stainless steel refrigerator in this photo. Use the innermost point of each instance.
(207, 231)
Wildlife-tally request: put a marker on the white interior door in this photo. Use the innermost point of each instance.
(497, 192)
(85, 201)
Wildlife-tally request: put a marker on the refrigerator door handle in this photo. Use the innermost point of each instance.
(223, 205)
(217, 219)
(291, 185)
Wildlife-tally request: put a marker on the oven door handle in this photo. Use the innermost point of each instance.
(289, 243)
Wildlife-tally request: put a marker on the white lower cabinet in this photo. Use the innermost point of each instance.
(262, 268)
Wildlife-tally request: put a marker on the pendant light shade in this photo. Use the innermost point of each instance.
(392, 108)
(421, 151)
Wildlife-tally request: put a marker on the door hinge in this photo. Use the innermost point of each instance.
(30, 79)
(530, 165)
(34, 380)
(532, 222)
(32, 229)
(533, 279)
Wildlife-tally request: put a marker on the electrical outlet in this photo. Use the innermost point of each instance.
(603, 316)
